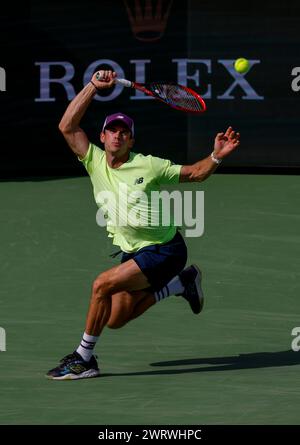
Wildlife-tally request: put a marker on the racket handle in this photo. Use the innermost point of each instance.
(124, 82)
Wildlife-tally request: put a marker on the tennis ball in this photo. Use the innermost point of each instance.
(241, 65)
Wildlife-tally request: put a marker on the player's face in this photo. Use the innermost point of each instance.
(117, 139)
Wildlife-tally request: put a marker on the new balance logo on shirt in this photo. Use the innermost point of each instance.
(138, 181)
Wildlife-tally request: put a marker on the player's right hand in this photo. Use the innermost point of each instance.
(107, 79)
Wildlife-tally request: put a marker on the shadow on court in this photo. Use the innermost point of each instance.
(242, 361)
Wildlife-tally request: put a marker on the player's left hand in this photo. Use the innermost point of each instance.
(226, 142)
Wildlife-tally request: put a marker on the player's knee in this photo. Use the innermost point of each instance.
(97, 286)
(104, 283)
(100, 287)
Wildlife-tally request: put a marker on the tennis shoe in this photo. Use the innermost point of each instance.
(191, 280)
(73, 367)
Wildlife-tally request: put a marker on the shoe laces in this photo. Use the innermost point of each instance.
(68, 358)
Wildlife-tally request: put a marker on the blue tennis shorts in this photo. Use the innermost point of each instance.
(160, 262)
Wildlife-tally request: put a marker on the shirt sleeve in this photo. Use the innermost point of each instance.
(91, 158)
(165, 171)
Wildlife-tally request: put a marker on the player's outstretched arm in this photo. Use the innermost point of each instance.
(69, 124)
(224, 144)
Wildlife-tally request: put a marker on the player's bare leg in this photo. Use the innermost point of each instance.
(125, 277)
(126, 306)
(82, 363)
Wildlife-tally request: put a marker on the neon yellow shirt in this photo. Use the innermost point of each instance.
(125, 197)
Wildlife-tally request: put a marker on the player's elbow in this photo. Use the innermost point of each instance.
(62, 127)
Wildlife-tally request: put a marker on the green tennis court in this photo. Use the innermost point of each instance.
(232, 364)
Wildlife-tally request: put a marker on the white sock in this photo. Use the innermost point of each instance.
(86, 347)
(173, 287)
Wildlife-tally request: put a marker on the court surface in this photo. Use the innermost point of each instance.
(232, 364)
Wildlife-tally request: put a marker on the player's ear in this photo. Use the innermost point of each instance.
(102, 137)
(131, 142)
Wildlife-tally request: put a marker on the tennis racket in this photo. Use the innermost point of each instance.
(176, 96)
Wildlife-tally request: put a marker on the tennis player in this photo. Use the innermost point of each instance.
(153, 256)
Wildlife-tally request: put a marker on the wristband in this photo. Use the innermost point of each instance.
(216, 160)
(94, 85)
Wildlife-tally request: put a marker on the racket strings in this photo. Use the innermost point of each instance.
(176, 96)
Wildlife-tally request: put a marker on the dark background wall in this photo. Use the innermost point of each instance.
(195, 44)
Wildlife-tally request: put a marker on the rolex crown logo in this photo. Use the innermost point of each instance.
(148, 23)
